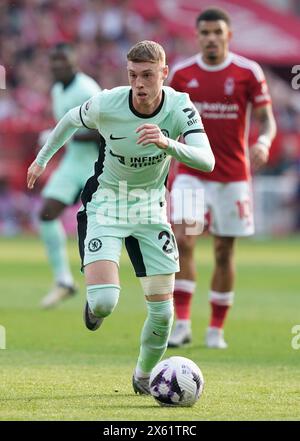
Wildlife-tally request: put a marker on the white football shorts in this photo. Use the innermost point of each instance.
(227, 207)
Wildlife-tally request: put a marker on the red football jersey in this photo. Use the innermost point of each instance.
(223, 94)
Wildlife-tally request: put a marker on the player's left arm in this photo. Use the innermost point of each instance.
(258, 94)
(259, 152)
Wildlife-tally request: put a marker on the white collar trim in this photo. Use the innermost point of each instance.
(214, 68)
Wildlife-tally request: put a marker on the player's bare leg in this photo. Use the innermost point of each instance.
(103, 288)
(221, 294)
(185, 285)
(53, 236)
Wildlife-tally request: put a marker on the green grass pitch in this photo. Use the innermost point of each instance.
(55, 369)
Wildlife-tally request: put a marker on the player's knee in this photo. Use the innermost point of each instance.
(185, 244)
(47, 214)
(102, 299)
(161, 284)
(223, 254)
(161, 315)
(51, 210)
(160, 319)
(166, 318)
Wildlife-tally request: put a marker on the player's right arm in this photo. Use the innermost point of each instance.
(76, 118)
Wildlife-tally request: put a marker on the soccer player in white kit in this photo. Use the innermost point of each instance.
(223, 86)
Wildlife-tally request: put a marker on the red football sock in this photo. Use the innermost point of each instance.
(182, 304)
(218, 315)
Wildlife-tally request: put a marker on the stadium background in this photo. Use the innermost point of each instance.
(268, 280)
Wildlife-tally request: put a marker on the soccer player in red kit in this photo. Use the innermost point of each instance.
(224, 87)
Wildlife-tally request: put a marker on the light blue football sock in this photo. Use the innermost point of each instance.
(155, 335)
(54, 238)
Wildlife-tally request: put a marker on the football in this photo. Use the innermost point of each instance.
(176, 381)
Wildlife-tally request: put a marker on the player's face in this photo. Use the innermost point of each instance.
(146, 80)
(62, 67)
(214, 37)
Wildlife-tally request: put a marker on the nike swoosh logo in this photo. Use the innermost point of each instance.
(156, 334)
(114, 138)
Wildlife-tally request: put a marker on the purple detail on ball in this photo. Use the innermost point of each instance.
(197, 380)
(173, 388)
(159, 378)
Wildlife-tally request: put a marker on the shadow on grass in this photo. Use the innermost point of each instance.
(87, 397)
(189, 346)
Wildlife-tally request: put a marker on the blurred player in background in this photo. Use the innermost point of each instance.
(71, 88)
(140, 124)
(223, 86)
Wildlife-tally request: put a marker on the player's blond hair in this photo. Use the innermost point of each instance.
(147, 50)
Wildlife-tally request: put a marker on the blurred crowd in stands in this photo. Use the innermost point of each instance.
(102, 32)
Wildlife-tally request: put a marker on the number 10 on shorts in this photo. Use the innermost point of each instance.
(244, 208)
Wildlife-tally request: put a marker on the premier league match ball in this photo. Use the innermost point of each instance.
(176, 381)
